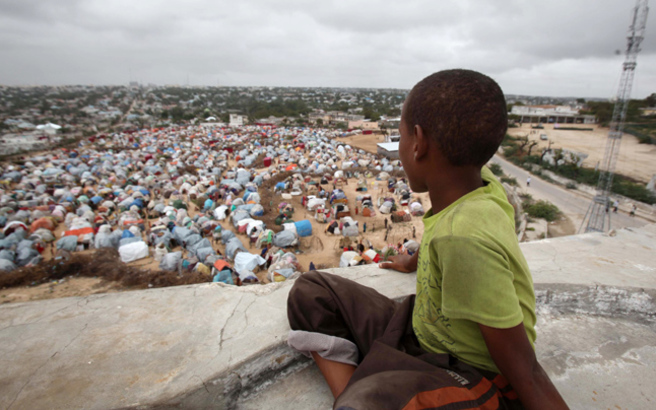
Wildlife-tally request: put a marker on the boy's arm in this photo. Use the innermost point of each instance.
(515, 358)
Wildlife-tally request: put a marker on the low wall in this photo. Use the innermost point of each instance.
(212, 345)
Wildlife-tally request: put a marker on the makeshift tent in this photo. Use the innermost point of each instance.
(233, 246)
(68, 243)
(245, 263)
(7, 266)
(401, 216)
(226, 236)
(171, 261)
(133, 251)
(349, 258)
(303, 228)
(285, 238)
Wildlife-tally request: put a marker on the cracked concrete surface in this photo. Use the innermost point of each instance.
(217, 346)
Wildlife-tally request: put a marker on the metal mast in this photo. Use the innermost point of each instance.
(598, 212)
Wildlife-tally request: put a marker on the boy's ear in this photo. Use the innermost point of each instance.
(421, 143)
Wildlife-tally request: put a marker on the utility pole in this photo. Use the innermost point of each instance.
(599, 210)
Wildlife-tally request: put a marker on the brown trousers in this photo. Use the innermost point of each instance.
(394, 372)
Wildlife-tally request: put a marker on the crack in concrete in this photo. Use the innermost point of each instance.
(246, 310)
(193, 306)
(72, 340)
(40, 319)
(29, 379)
(221, 340)
(203, 382)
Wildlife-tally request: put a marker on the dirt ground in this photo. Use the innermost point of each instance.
(365, 142)
(71, 286)
(635, 160)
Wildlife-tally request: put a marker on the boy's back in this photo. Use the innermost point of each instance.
(474, 297)
(471, 270)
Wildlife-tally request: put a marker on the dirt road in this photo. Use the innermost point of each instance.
(571, 203)
(635, 160)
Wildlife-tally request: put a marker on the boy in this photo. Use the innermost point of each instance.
(466, 339)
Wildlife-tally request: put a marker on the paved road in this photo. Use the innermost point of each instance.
(571, 203)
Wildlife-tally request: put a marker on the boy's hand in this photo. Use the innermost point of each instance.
(402, 263)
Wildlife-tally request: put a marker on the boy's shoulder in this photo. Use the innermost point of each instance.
(485, 216)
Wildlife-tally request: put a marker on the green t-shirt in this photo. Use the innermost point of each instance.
(471, 270)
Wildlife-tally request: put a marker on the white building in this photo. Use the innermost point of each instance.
(389, 149)
(237, 120)
(560, 114)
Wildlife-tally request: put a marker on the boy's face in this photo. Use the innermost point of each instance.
(407, 155)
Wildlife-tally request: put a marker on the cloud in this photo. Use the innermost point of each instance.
(549, 48)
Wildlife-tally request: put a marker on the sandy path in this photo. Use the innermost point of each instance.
(635, 160)
(365, 142)
(331, 252)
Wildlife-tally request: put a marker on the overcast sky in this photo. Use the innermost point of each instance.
(552, 48)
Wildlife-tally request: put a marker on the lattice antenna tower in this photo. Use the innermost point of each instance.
(598, 213)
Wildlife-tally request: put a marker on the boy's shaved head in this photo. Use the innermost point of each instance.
(463, 111)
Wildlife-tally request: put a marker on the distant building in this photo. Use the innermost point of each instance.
(315, 116)
(237, 120)
(560, 114)
(363, 124)
(648, 111)
(391, 123)
(389, 149)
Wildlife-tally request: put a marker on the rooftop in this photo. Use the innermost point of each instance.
(389, 146)
(217, 346)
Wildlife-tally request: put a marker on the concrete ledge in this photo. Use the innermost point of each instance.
(213, 346)
(633, 304)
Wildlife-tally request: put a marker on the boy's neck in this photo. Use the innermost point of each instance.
(451, 185)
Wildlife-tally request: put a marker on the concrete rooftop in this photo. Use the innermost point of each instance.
(214, 346)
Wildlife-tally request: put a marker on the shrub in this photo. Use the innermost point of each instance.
(634, 191)
(542, 209)
(510, 150)
(621, 184)
(496, 169)
(508, 141)
(510, 181)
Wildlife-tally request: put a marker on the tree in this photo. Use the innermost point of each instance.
(319, 122)
(545, 151)
(531, 145)
(383, 129)
(601, 109)
(523, 141)
(651, 100)
(558, 155)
